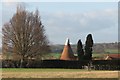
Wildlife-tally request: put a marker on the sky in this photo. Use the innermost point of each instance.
(73, 20)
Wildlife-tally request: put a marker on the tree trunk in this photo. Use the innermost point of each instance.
(90, 65)
(21, 62)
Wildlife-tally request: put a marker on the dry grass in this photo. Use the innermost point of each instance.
(60, 74)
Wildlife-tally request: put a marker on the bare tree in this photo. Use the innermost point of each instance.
(25, 35)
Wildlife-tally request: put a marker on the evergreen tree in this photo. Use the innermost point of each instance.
(80, 51)
(88, 47)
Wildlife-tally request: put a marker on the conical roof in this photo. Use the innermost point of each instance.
(67, 53)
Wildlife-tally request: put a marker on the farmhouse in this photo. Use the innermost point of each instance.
(67, 53)
(113, 57)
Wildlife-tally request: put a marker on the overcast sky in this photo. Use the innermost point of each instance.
(73, 20)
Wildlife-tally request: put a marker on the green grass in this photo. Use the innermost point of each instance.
(98, 55)
(40, 70)
(57, 55)
(113, 51)
(53, 55)
(107, 51)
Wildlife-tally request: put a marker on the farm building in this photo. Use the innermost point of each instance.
(67, 53)
(112, 57)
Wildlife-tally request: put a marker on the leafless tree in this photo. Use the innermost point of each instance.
(25, 35)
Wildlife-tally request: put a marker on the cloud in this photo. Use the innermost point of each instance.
(9, 1)
(74, 25)
(64, 0)
(8, 10)
(99, 23)
(0, 36)
(93, 20)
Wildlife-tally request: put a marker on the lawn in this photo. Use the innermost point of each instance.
(40, 70)
(56, 73)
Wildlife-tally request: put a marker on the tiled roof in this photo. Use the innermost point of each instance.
(67, 53)
(114, 56)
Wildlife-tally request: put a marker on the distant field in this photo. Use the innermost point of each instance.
(57, 55)
(113, 51)
(53, 56)
(98, 55)
(57, 73)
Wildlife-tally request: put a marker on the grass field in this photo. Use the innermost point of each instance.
(107, 51)
(111, 51)
(56, 73)
(57, 55)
